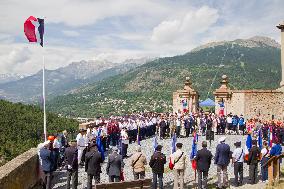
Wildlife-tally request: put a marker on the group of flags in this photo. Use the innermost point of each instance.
(259, 139)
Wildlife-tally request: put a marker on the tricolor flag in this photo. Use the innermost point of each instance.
(174, 140)
(34, 29)
(249, 142)
(259, 139)
(155, 143)
(194, 151)
(100, 147)
(269, 137)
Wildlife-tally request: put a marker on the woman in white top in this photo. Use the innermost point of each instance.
(264, 159)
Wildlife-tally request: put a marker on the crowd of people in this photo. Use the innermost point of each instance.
(114, 134)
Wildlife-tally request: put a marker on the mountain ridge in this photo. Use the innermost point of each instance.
(149, 87)
(64, 80)
(255, 41)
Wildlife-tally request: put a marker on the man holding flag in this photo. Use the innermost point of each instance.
(179, 164)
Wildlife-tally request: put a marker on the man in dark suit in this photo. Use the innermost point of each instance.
(162, 128)
(71, 160)
(114, 165)
(93, 160)
(157, 162)
(253, 158)
(222, 160)
(203, 159)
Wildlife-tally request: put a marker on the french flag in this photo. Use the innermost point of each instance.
(270, 136)
(31, 31)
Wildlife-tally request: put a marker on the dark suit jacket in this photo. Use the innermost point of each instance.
(93, 160)
(186, 124)
(157, 162)
(254, 153)
(114, 165)
(203, 158)
(222, 156)
(71, 157)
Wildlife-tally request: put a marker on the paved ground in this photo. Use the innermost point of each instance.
(147, 148)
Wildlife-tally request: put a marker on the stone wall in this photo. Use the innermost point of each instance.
(21, 172)
(264, 104)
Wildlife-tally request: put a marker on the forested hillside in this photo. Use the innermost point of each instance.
(249, 64)
(21, 128)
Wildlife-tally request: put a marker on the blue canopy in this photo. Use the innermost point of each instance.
(207, 102)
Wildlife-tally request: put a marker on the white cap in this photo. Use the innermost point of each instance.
(222, 139)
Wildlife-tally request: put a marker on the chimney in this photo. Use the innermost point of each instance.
(281, 27)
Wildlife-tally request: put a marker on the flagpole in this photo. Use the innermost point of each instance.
(43, 95)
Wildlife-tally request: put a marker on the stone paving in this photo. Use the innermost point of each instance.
(147, 148)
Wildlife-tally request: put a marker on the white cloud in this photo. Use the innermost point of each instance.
(27, 58)
(71, 33)
(73, 13)
(186, 26)
(120, 29)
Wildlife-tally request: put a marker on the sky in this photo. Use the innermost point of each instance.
(116, 30)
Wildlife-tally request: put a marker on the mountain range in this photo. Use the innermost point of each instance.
(63, 80)
(249, 63)
(9, 77)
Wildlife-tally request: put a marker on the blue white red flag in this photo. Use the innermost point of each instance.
(270, 137)
(194, 151)
(249, 142)
(194, 146)
(100, 147)
(155, 143)
(34, 29)
(174, 140)
(260, 139)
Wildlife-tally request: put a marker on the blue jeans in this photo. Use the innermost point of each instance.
(264, 170)
(155, 175)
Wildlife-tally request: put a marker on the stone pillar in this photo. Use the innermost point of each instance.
(222, 96)
(189, 95)
(281, 27)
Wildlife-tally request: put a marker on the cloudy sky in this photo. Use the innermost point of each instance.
(121, 29)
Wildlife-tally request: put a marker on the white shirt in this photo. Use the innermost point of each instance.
(229, 120)
(56, 144)
(124, 137)
(80, 140)
(263, 152)
(178, 123)
(238, 154)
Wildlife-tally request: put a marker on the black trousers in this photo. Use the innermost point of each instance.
(238, 172)
(178, 131)
(253, 173)
(187, 131)
(47, 180)
(90, 178)
(202, 179)
(124, 150)
(72, 175)
(139, 175)
(114, 178)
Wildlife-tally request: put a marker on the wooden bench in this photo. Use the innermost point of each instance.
(144, 183)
